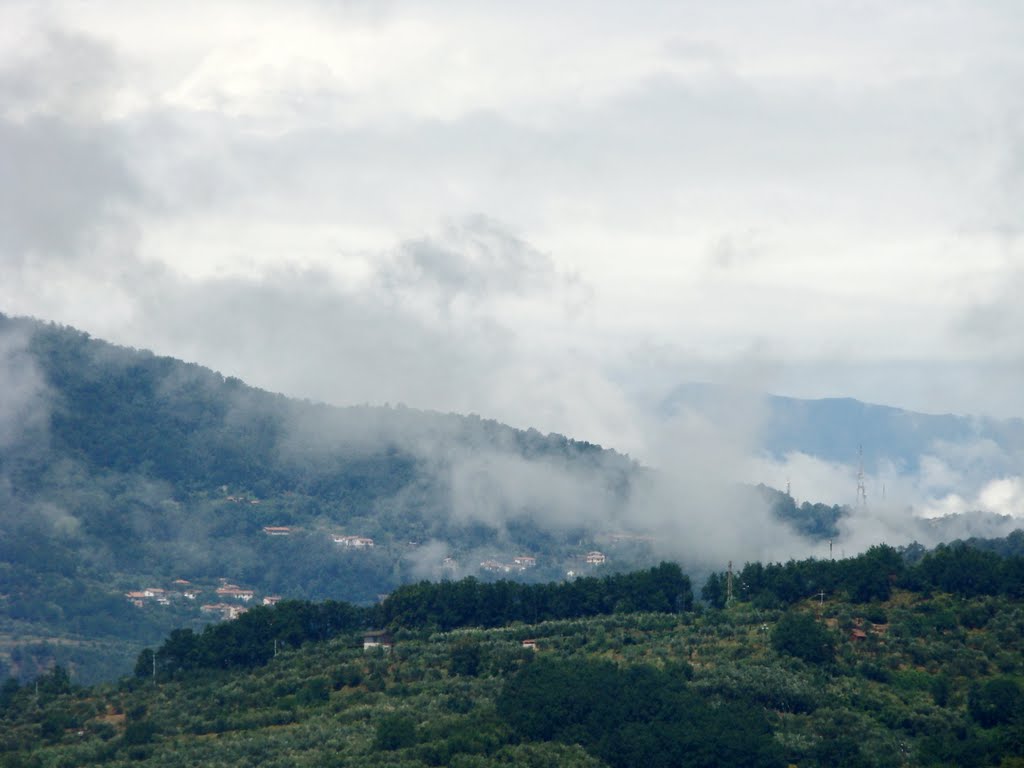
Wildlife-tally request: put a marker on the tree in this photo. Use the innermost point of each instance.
(144, 665)
(465, 659)
(800, 635)
(995, 702)
(714, 592)
(395, 731)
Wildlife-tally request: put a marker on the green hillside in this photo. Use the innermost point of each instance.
(122, 472)
(923, 678)
(140, 494)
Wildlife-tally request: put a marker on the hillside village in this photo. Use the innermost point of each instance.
(232, 600)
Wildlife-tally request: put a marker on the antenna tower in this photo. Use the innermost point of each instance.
(862, 494)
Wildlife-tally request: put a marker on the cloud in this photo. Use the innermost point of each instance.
(992, 323)
(501, 211)
(58, 74)
(477, 258)
(946, 498)
(25, 405)
(496, 488)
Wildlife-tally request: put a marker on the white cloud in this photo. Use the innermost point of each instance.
(498, 209)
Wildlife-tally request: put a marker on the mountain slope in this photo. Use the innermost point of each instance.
(121, 470)
(834, 428)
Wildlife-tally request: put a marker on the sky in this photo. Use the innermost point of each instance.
(547, 214)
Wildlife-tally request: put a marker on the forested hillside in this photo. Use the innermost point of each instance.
(923, 677)
(139, 494)
(123, 472)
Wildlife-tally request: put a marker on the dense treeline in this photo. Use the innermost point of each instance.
(252, 639)
(958, 569)
(638, 716)
(816, 521)
(446, 605)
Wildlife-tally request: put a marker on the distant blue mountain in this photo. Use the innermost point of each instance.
(834, 429)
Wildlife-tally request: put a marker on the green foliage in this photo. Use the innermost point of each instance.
(469, 602)
(396, 731)
(633, 716)
(995, 702)
(465, 658)
(800, 635)
(249, 641)
(139, 732)
(616, 689)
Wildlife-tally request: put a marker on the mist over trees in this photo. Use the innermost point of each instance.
(120, 469)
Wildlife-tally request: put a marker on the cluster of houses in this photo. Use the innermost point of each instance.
(235, 592)
(524, 562)
(521, 563)
(349, 542)
(181, 590)
(232, 599)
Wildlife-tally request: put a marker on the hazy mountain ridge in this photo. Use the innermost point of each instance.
(835, 428)
(122, 470)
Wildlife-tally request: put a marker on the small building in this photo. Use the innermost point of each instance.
(355, 542)
(236, 593)
(271, 599)
(495, 567)
(224, 610)
(525, 561)
(530, 644)
(377, 638)
(596, 558)
(277, 530)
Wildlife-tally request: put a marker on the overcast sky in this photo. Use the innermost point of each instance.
(544, 213)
